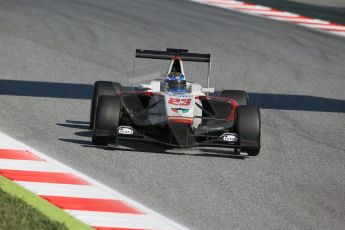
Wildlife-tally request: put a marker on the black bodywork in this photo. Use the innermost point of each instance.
(214, 122)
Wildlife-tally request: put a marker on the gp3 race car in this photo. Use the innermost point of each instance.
(174, 111)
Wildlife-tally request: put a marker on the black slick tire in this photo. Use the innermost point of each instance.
(248, 126)
(102, 88)
(106, 120)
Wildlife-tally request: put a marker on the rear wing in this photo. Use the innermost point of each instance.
(171, 53)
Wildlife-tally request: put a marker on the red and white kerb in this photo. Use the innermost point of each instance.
(80, 196)
(268, 12)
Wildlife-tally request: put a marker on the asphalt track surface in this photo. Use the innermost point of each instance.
(51, 52)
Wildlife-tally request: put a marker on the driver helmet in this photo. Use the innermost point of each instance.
(175, 82)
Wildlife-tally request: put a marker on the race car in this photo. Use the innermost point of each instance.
(174, 111)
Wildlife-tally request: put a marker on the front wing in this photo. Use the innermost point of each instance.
(226, 139)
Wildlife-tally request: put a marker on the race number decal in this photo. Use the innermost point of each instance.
(174, 101)
(178, 101)
(179, 105)
(185, 102)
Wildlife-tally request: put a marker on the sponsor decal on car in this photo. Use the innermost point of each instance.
(229, 137)
(126, 130)
(176, 110)
(182, 96)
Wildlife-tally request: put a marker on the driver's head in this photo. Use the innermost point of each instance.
(176, 82)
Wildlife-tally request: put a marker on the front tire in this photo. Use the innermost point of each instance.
(240, 96)
(102, 88)
(248, 126)
(107, 120)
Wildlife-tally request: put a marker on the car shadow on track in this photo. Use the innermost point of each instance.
(84, 91)
(142, 146)
(296, 102)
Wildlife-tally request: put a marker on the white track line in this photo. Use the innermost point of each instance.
(118, 220)
(269, 13)
(37, 166)
(67, 190)
(328, 27)
(239, 6)
(299, 19)
(222, 1)
(338, 33)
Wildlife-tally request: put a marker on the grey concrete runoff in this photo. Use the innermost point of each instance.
(333, 3)
(332, 11)
(51, 52)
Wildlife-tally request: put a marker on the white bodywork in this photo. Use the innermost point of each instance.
(192, 88)
(182, 106)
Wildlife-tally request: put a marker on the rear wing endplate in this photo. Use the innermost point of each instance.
(171, 53)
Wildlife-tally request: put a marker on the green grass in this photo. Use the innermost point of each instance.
(16, 214)
(21, 209)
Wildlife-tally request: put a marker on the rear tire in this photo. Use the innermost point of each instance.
(106, 120)
(248, 126)
(240, 96)
(102, 88)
